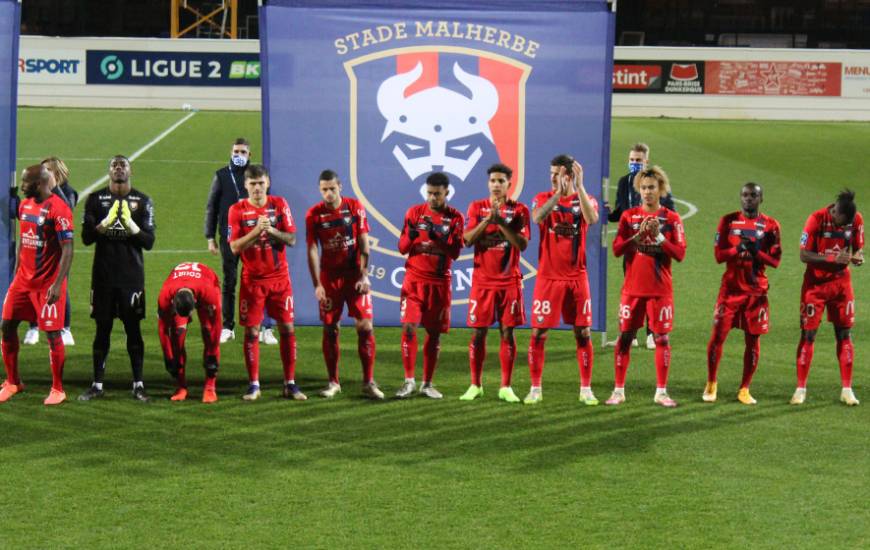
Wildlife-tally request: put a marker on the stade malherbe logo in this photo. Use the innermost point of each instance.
(420, 109)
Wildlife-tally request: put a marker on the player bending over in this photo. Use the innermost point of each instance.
(190, 286)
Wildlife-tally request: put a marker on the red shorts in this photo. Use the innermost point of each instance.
(340, 291)
(426, 303)
(744, 311)
(570, 299)
(28, 304)
(658, 309)
(837, 296)
(488, 305)
(275, 296)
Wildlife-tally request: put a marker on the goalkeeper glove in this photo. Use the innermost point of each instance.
(127, 219)
(412, 231)
(112, 215)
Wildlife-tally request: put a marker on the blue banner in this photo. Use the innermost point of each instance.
(386, 96)
(172, 68)
(10, 22)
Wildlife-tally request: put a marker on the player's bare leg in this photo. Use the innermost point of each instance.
(537, 344)
(287, 343)
(804, 361)
(409, 360)
(431, 350)
(10, 343)
(621, 360)
(476, 358)
(507, 356)
(846, 357)
(365, 335)
(331, 355)
(585, 358)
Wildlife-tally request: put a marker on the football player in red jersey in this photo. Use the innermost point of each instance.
(746, 242)
(650, 237)
(38, 291)
(339, 273)
(498, 228)
(189, 286)
(563, 215)
(833, 238)
(432, 238)
(260, 227)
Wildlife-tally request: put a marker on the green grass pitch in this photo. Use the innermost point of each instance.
(419, 474)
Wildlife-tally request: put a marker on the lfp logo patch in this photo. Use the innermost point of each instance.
(419, 110)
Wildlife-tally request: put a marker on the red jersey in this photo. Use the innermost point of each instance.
(744, 273)
(647, 265)
(338, 232)
(562, 248)
(199, 278)
(265, 259)
(44, 227)
(437, 244)
(496, 261)
(821, 235)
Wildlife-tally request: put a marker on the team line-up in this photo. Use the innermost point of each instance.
(119, 220)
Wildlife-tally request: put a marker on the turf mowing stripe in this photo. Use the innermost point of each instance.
(178, 161)
(692, 211)
(90, 188)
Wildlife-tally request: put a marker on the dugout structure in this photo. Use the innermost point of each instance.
(10, 21)
(386, 92)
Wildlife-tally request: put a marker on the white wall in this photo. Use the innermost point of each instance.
(66, 86)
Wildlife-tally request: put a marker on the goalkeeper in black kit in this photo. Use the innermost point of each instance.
(120, 220)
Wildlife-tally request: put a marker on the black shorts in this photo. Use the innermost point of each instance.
(126, 304)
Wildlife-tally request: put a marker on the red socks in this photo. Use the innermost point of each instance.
(663, 361)
(57, 356)
(507, 354)
(252, 357)
(10, 358)
(409, 353)
(366, 348)
(585, 355)
(476, 358)
(331, 354)
(621, 360)
(536, 359)
(750, 358)
(846, 355)
(287, 343)
(431, 347)
(714, 353)
(804, 360)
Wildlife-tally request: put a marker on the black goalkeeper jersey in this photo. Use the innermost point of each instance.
(118, 261)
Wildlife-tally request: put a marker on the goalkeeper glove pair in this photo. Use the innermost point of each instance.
(120, 210)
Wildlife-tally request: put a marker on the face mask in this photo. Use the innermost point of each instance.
(635, 167)
(239, 160)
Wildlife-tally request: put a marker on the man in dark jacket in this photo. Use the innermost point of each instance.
(227, 188)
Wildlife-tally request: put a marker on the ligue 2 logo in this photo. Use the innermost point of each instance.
(112, 67)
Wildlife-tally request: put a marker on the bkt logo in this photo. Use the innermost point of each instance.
(112, 67)
(52, 66)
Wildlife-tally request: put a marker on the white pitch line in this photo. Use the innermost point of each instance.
(90, 188)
